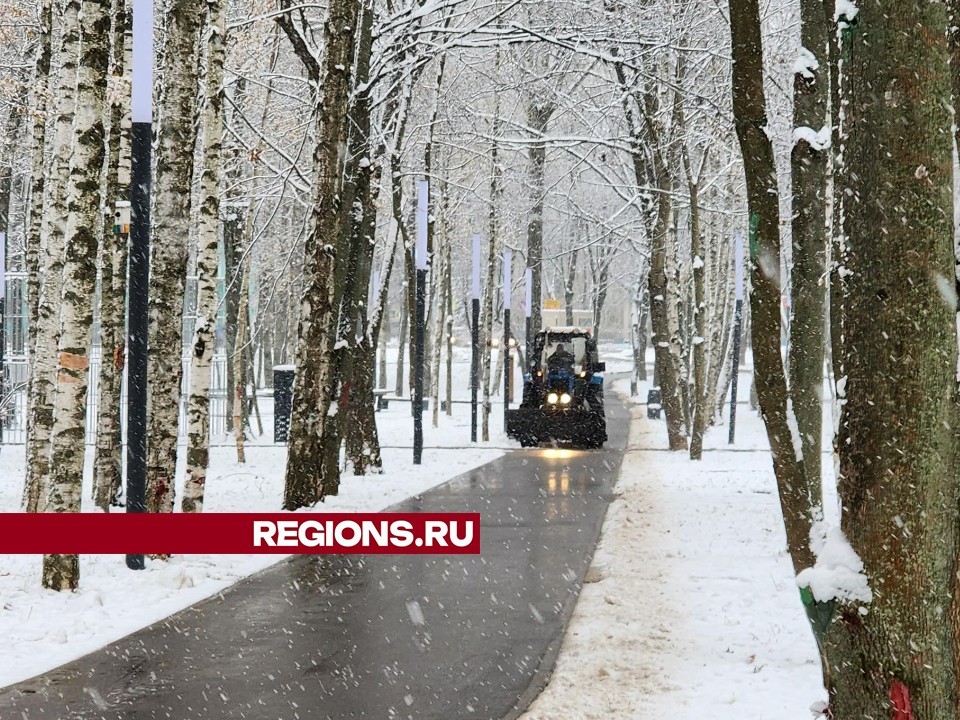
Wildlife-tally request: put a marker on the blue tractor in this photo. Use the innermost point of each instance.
(562, 392)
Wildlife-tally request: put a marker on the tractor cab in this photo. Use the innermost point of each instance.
(562, 391)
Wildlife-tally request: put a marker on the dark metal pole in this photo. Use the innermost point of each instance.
(507, 290)
(737, 316)
(528, 309)
(139, 263)
(423, 200)
(507, 364)
(474, 369)
(418, 373)
(475, 337)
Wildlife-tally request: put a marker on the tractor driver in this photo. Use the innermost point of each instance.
(561, 361)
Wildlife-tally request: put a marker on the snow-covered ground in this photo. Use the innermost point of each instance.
(690, 610)
(42, 629)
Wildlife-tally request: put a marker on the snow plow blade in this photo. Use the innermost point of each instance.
(531, 426)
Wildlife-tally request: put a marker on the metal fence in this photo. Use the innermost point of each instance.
(14, 403)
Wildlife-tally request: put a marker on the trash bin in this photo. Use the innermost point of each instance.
(653, 403)
(282, 401)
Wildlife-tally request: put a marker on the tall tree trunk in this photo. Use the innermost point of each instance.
(440, 270)
(447, 335)
(50, 268)
(808, 165)
(19, 112)
(359, 425)
(238, 359)
(749, 105)
(658, 220)
(699, 343)
(33, 241)
(83, 228)
(198, 424)
(168, 266)
(570, 282)
(538, 115)
(897, 480)
(312, 391)
(382, 343)
(401, 343)
(41, 107)
(234, 236)
(108, 465)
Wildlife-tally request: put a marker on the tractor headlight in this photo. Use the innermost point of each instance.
(565, 399)
(552, 399)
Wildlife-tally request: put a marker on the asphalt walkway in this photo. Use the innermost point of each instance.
(409, 637)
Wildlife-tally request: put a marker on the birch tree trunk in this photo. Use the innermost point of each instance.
(83, 228)
(312, 390)
(50, 269)
(35, 256)
(897, 443)
(41, 108)
(168, 267)
(108, 466)
(198, 430)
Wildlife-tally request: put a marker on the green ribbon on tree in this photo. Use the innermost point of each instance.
(820, 614)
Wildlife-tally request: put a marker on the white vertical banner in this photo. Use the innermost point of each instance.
(507, 278)
(3, 265)
(475, 276)
(423, 219)
(528, 299)
(738, 262)
(141, 102)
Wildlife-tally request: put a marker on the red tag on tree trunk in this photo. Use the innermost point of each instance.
(900, 701)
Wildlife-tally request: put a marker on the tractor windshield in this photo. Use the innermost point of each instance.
(564, 354)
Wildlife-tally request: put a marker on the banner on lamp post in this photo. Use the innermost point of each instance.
(423, 219)
(738, 262)
(507, 278)
(528, 299)
(475, 276)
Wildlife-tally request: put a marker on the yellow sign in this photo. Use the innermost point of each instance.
(551, 304)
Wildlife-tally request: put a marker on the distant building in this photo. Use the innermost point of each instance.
(553, 317)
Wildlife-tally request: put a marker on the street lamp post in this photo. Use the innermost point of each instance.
(475, 337)
(507, 370)
(528, 308)
(423, 218)
(139, 267)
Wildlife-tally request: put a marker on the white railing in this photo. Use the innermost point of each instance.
(13, 403)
